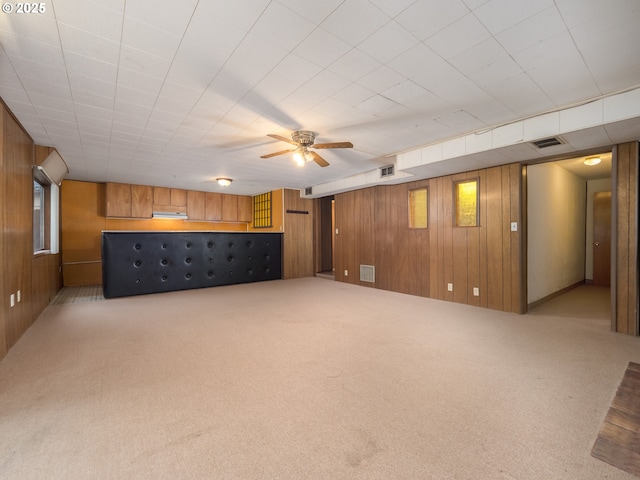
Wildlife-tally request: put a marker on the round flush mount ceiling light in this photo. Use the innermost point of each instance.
(592, 161)
(224, 182)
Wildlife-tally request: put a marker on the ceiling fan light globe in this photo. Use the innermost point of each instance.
(299, 158)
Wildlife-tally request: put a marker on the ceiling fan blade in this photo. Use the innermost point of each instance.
(319, 160)
(283, 139)
(333, 145)
(269, 155)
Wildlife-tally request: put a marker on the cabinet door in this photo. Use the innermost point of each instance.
(213, 207)
(245, 208)
(161, 196)
(178, 197)
(195, 205)
(141, 201)
(118, 200)
(229, 208)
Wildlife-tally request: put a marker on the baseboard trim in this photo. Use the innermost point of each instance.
(554, 295)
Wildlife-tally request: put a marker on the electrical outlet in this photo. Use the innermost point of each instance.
(476, 292)
(12, 300)
(18, 295)
(346, 273)
(450, 287)
(336, 231)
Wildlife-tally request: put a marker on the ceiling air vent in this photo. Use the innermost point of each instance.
(308, 191)
(386, 171)
(548, 142)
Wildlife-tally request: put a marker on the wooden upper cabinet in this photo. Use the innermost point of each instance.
(195, 205)
(237, 208)
(141, 201)
(213, 206)
(229, 208)
(169, 199)
(118, 200)
(245, 208)
(178, 197)
(161, 196)
(128, 201)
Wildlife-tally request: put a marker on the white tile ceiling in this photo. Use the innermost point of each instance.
(178, 93)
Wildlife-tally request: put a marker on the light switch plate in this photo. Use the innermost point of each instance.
(514, 226)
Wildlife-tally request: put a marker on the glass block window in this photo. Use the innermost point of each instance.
(262, 210)
(466, 200)
(418, 203)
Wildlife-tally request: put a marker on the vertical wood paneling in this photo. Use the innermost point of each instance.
(298, 236)
(632, 324)
(494, 238)
(4, 308)
(622, 271)
(423, 262)
(17, 228)
(418, 258)
(447, 236)
(506, 238)
(459, 251)
(518, 270)
(626, 281)
(473, 253)
(483, 241)
(435, 279)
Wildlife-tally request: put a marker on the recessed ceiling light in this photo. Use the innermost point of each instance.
(592, 161)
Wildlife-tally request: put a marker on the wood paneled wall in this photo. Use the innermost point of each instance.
(625, 315)
(373, 229)
(34, 276)
(298, 258)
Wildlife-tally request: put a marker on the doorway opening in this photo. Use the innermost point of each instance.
(326, 228)
(569, 237)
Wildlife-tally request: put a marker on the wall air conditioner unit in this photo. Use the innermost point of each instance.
(52, 168)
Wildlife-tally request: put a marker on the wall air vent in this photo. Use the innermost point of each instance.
(308, 191)
(547, 142)
(387, 171)
(367, 273)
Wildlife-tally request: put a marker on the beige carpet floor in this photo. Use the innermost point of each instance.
(308, 379)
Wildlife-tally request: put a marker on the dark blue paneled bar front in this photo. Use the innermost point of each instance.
(137, 263)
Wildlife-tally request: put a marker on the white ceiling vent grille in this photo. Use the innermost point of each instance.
(547, 142)
(367, 273)
(387, 171)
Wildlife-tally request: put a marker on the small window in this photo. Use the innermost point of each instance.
(466, 202)
(418, 203)
(262, 210)
(39, 215)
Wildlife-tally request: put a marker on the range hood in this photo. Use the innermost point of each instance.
(170, 212)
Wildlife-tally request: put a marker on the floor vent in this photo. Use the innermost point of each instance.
(386, 171)
(367, 273)
(548, 142)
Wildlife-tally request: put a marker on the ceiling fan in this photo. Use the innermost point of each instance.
(304, 140)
